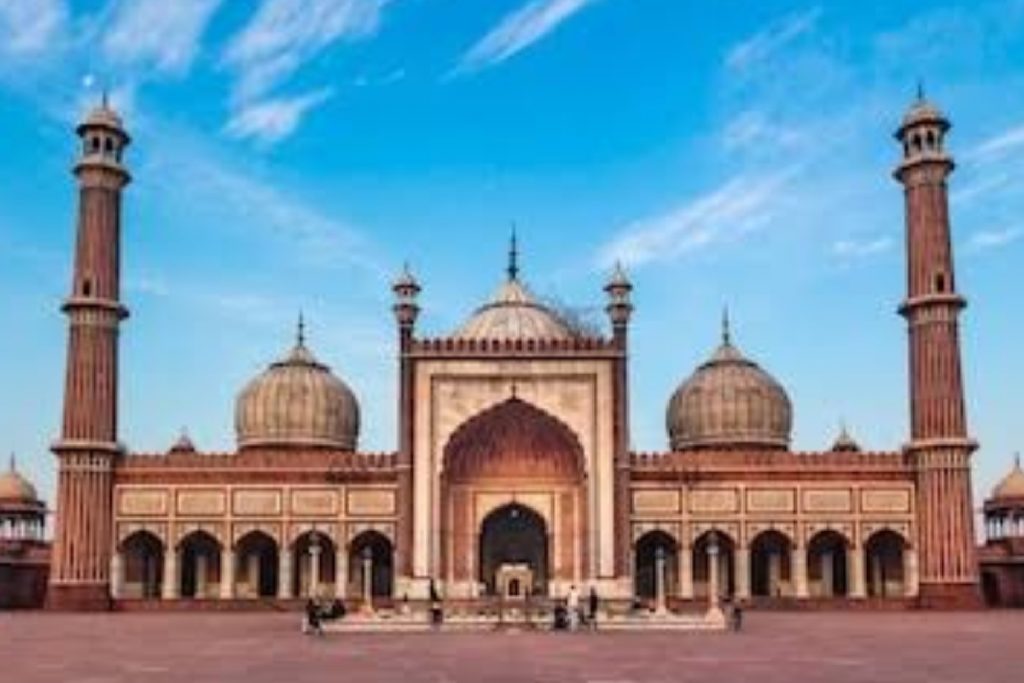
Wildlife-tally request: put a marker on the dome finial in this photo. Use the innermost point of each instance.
(726, 333)
(513, 256)
(920, 90)
(13, 463)
(301, 333)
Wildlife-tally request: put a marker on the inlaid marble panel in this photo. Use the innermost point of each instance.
(771, 500)
(314, 502)
(201, 502)
(371, 502)
(885, 500)
(660, 502)
(714, 500)
(142, 502)
(827, 500)
(256, 502)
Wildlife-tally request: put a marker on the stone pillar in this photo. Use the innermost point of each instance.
(910, 573)
(367, 580)
(314, 569)
(202, 568)
(713, 570)
(799, 570)
(253, 561)
(742, 572)
(117, 575)
(340, 573)
(858, 584)
(171, 575)
(284, 573)
(686, 573)
(775, 574)
(828, 587)
(227, 573)
(659, 581)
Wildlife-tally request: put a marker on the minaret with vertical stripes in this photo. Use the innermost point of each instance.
(939, 448)
(88, 445)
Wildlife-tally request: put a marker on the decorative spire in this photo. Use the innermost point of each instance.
(301, 335)
(920, 90)
(513, 256)
(726, 333)
(1016, 459)
(13, 463)
(105, 98)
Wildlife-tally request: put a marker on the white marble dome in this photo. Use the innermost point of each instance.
(15, 488)
(729, 402)
(297, 402)
(513, 313)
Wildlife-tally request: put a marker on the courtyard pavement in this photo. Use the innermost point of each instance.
(268, 648)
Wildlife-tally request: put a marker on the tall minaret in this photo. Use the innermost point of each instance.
(620, 309)
(939, 446)
(88, 446)
(406, 309)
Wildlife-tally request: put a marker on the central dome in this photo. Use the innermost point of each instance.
(513, 313)
(297, 402)
(729, 402)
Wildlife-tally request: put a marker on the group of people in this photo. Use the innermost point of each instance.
(318, 612)
(569, 614)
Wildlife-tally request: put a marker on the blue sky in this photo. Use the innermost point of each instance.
(292, 154)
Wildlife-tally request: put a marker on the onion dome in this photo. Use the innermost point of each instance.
(513, 313)
(845, 443)
(729, 402)
(15, 488)
(1012, 485)
(297, 402)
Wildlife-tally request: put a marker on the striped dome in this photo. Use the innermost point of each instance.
(729, 402)
(513, 313)
(297, 402)
(15, 488)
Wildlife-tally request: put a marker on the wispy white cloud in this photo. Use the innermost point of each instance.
(993, 239)
(164, 35)
(771, 39)
(859, 248)
(29, 27)
(753, 128)
(284, 34)
(999, 146)
(268, 121)
(736, 208)
(518, 31)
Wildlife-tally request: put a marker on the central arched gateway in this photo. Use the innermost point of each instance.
(513, 491)
(514, 537)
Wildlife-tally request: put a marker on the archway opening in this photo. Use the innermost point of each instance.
(648, 548)
(305, 581)
(702, 564)
(884, 561)
(257, 565)
(374, 547)
(509, 536)
(200, 565)
(143, 555)
(827, 565)
(770, 564)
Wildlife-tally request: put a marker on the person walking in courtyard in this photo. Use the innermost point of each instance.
(313, 623)
(736, 617)
(573, 604)
(592, 604)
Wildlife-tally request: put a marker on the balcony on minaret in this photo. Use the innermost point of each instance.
(103, 140)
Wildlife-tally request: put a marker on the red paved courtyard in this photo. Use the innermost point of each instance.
(262, 647)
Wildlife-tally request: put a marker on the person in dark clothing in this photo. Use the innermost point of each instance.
(737, 617)
(436, 613)
(561, 617)
(592, 604)
(313, 618)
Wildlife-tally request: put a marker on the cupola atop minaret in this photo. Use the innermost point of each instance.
(104, 139)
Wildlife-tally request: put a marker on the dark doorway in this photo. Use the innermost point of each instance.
(514, 534)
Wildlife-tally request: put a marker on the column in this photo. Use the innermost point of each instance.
(284, 573)
(858, 585)
(686, 572)
(227, 573)
(117, 575)
(367, 580)
(253, 572)
(202, 567)
(742, 572)
(314, 569)
(910, 572)
(340, 573)
(713, 572)
(775, 574)
(799, 569)
(827, 575)
(659, 581)
(171, 576)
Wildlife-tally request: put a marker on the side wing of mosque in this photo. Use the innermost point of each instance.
(512, 473)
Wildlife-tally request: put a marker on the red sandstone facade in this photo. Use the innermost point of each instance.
(513, 458)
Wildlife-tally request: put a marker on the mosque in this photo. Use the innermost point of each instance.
(512, 474)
